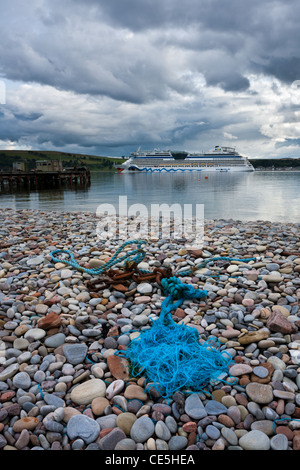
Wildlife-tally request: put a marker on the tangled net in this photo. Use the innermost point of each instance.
(169, 355)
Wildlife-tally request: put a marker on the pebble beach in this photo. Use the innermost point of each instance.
(62, 385)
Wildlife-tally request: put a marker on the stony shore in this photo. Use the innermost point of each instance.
(63, 388)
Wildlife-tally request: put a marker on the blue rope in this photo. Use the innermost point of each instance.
(41, 391)
(178, 291)
(169, 355)
(138, 255)
(138, 252)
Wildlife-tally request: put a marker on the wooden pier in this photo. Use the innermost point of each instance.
(45, 179)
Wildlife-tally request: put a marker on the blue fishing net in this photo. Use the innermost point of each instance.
(169, 355)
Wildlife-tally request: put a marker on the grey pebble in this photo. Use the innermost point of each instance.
(171, 423)
(55, 340)
(279, 442)
(83, 427)
(194, 406)
(214, 407)
(108, 421)
(54, 426)
(35, 261)
(23, 439)
(260, 371)
(212, 432)
(230, 436)
(75, 353)
(125, 444)
(142, 429)
(110, 440)
(177, 443)
(162, 431)
(44, 442)
(22, 380)
(78, 444)
(39, 376)
(255, 440)
(54, 400)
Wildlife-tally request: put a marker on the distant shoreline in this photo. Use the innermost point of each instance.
(278, 169)
(106, 163)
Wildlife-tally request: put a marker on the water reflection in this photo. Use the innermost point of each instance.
(50, 197)
(245, 196)
(187, 188)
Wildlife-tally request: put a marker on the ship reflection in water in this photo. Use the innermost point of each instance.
(263, 195)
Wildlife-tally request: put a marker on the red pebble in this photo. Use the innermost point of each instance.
(190, 426)
(105, 431)
(7, 396)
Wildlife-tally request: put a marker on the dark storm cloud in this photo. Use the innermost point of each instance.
(28, 117)
(88, 54)
(155, 70)
(155, 14)
(286, 69)
(101, 62)
(82, 45)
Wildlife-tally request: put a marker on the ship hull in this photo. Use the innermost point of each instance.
(185, 170)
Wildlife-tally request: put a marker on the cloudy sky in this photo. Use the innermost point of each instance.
(104, 77)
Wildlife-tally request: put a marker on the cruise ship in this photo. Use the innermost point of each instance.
(220, 159)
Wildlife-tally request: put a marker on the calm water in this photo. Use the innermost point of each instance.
(267, 195)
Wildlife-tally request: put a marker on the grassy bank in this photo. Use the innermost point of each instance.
(95, 163)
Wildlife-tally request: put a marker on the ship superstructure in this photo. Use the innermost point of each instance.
(219, 159)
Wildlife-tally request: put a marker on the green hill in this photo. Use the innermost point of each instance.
(278, 163)
(95, 163)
